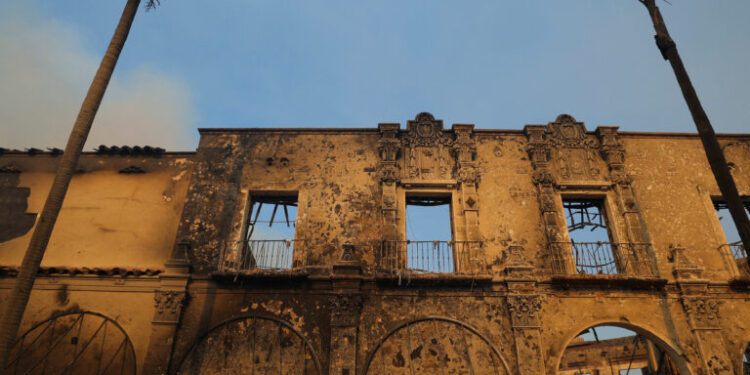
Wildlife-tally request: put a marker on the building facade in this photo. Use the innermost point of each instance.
(288, 251)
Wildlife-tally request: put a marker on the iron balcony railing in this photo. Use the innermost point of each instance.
(738, 251)
(262, 254)
(604, 258)
(740, 256)
(459, 257)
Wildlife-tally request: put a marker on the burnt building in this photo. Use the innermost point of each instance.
(288, 251)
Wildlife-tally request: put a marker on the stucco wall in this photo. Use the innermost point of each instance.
(108, 219)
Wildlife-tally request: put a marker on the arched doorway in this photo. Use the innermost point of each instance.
(73, 343)
(435, 345)
(251, 345)
(618, 349)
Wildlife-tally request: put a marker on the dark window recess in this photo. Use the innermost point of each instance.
(270, 233)
(730, 230)
(590, 240)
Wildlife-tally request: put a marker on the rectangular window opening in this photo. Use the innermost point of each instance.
(429, 234)
(590, 239)
(269, 235)
(730, 230)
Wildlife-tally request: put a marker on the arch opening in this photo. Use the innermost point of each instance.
(618, 349)
(435, 345)
(73, 343)
(252, 345)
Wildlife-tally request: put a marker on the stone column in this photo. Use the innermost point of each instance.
(524, 304)
(346, 307)
(703, 315)
(168, 302)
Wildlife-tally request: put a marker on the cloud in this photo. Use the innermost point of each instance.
(45, 72)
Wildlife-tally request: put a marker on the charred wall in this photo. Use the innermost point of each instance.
(350, 303)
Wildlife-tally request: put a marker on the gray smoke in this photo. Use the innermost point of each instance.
(44, 75)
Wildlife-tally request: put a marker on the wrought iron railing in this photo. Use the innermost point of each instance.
(740, 256)
(604, 258)
(459, 257)
(262, 254)
(738, 250)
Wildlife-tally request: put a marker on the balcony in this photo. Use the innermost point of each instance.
(262, 255)
(430, 257)
(604, 258)
(740, 257)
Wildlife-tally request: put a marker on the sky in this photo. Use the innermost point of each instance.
(339, 63)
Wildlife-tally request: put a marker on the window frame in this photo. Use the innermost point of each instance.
(610, 213)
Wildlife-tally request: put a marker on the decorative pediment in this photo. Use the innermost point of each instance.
(425, 131)
(570, 154)
(426, 153)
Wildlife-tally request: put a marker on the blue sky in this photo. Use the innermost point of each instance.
(497, 64)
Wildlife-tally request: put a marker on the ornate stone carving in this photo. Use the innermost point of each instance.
(543, 177)
(389, 146)
(426, 149)
(565, 144)
(168, 305)
(467, 174)
(347, 254)
(345, 309)
(464, 146)
(524, 310)
(703, 311)
(619, 176)
(389, 174)
(548, 203)
(425, 131)
(516, 265)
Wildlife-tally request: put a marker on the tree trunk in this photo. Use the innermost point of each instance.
(19, 297)
(715, 156)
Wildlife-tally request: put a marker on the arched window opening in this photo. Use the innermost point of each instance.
(435, 345)
(251, 345)
(73, 343)
(610, 350)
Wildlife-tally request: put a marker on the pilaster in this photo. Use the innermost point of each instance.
(703, 315)
(346, 307)
(169, 300)
(524, 305)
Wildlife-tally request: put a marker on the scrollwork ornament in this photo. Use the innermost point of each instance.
(524, 309)
(620, 177)
(468, 174)
(388, 146)
(702, 310)
(168, 304)
(389, 174)
(543, 177)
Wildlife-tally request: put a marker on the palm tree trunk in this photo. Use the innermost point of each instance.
(19, 297)
(715, 156)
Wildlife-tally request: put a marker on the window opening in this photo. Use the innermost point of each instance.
(270, 233)
(429, 243)
(730, 230)
(610, 350)
(590, 241)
